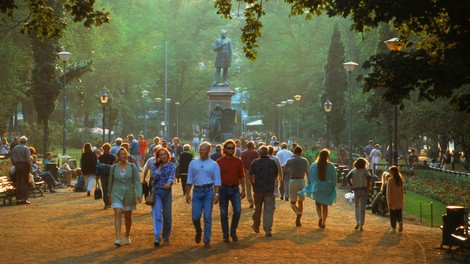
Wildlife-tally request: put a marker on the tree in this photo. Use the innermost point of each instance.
(335, 84)
(437, 65)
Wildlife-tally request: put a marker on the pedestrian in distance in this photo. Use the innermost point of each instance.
(395, 198)
(204, 175)
(124, 191)
(360, 181)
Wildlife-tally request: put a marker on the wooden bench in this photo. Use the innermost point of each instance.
(7, 189)
(38, 187)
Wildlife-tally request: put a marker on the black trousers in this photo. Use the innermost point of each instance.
(104, 188)
(22, 181)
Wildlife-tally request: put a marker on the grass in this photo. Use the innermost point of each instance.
(412, 201)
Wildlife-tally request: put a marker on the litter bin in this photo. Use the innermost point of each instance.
(52, 168)
(454, 218)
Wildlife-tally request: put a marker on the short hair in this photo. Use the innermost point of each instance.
(263, 150)
(218, 147)
(360, 163)
(130, 136)
(157, 139)
(274, 138)
(49, 153)
(106, 147)
(205, 144)
(118, 141)
(126, 146)
(186, 147)
(298, 150)
(371, 141)
(23, 140)
(250, 144)
(167, 153)
(284, 145)
(270, 150)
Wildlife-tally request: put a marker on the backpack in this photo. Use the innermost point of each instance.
(80, 185)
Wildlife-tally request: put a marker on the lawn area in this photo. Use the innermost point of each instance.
(412, 201)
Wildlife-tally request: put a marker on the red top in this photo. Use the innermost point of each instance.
(143, 147)
(231, 170)
(248, 156)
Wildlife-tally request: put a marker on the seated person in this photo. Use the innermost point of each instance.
(380, 200)
(46, 176)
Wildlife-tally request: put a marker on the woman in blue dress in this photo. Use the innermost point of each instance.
(321, 185)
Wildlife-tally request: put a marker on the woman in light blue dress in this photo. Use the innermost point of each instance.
(321, 185)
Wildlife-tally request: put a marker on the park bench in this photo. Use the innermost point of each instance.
(38, 187)
(7, 189)
(462, 238)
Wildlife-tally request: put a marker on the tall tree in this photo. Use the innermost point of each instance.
(335, 85)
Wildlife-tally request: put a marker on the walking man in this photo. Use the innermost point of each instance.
(284, 154)
(134, 149)
(204, 174)
(263, 173)
(248, 156)
(21, 159)
(232, 175)
(298, 168)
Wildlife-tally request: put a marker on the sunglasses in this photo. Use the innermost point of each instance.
(232, 148)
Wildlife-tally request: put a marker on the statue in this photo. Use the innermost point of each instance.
(216, 124)
(223, 47)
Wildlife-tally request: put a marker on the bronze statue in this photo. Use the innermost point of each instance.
(215, 129)
(223, 47)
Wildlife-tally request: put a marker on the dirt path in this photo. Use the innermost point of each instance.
(72, 228)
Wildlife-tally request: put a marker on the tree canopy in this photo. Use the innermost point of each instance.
(435, 32)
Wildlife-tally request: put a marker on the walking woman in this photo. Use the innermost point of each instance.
(163, 173)
(395, 199)
(359, 180)
(124, 191)
(88, 166)
(321, 185)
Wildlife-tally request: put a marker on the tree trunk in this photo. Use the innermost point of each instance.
(46, 136)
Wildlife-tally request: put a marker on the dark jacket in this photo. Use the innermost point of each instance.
(88, 163)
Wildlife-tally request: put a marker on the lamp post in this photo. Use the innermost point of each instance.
(349, 67)
(104, 101)
(394, 45)
(64, 57)
(167, 100)
(177, 104)
(283, 103)
(144, 95)
(327, 106)
(167, 117)
(297, 99)
(279, 106)
(158, 100)
(290, 102)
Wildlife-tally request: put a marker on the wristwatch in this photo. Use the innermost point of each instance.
(217, 194)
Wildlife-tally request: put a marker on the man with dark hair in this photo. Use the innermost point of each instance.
(232, 174)
(21, 159)
(134, 149)
(263, 173)
(217, 154)
(298, 168)
(248, 156)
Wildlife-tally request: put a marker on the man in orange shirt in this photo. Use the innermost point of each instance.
(143, 145)
(232, 174)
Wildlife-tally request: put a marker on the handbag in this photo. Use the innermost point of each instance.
(98, 194)
(150, 199)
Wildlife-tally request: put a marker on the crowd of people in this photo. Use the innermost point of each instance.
(260, 172)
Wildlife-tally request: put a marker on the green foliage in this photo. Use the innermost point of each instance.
(311, 155)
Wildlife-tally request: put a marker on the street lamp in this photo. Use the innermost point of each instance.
(327, 106)
(144, 95)
(64, 57)
(349, 67)
(297, 99)
(104, 101)
(167, 117)
(177, 104)
(158, 100)
(394, 45)
(279, 106)
(290, 101)
(283, 117)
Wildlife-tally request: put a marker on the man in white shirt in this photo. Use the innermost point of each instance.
(284, 154)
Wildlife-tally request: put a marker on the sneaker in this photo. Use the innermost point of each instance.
(400, 227)
(392, 230)
(361, 228)
(197, 238)
(255, 228)
(117, 243)
(156, 243)
(356, 226)
(88, 193)
(128, 240)
(269, 234)
(297, 221)
(207, 244)
(166, 241)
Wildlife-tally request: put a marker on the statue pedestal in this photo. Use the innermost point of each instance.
(220, 94)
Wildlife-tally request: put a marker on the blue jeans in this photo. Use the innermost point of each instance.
(361, 196)
(163, 200)
(203, 201)
(231, 194)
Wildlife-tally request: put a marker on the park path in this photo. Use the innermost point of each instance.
(69, 227)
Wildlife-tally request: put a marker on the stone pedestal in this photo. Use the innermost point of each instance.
(220, 94)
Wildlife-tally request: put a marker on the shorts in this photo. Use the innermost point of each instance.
(295, 186)
(121, 206)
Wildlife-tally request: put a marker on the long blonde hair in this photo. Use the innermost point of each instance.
(322, 159)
